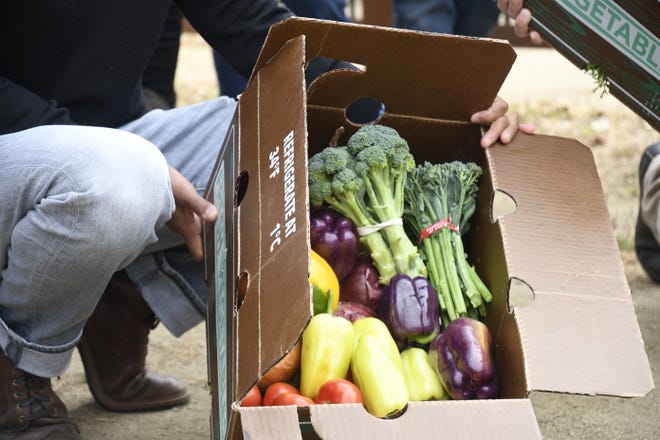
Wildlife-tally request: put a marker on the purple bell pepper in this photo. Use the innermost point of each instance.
(462, 356)
(333, 237)
(410, 309)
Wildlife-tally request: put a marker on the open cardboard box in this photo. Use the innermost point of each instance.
(562, 317)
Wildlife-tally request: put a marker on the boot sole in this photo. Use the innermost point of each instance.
(107, 402)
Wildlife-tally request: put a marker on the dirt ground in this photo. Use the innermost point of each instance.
(546, 90)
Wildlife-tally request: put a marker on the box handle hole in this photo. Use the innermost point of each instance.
(241, 288)
(364, 111)
(240, 188)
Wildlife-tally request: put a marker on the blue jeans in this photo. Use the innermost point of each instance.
(475, 18)
(80, 203)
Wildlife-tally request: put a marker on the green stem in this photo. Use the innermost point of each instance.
(451, 272)
(481, 287)
(469, 288)
(380, 255)
(405, 253)
(437, 275)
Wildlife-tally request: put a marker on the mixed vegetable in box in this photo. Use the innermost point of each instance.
(396, 302)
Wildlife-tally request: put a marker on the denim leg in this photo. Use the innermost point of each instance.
(426, 15)
(77, 204)
(476, 18)
(190, 137)
(231, 82)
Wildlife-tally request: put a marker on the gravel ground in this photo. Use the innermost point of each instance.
(546, 90)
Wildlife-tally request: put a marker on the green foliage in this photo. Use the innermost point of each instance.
(599, 75)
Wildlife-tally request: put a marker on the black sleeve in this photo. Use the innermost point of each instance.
(22, 109)
(159, 74)
(235, 28)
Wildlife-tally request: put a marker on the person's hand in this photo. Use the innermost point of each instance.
(190, 213)
(502, 125)
(522, 17)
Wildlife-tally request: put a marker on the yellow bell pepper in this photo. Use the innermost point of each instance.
(379, 378)
(327, 347)
(421, 379)
(323, 280)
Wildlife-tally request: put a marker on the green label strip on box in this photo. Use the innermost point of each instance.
(220, 234)
(620, 29)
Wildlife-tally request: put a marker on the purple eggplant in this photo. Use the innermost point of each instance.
(462, 356)
(410, 309)
(333, 237)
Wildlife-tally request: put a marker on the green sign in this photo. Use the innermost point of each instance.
(618, 28)
(220, 293)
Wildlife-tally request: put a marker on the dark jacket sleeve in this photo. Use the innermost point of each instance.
(236, 29)
(22, 109)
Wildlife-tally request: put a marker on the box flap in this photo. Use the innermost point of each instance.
(568, 289)
(272, 423)
(488, 419)
(272, 217)
(449, 84)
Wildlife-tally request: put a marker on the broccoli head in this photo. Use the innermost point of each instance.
(382, 158)
(375, 134)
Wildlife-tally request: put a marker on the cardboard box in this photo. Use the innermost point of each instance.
(562, 316)
(622, 38)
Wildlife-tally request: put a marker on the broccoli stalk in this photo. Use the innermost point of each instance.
(382, 159)
(332, 181)
(447, 192)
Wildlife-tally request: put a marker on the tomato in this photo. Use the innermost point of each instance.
(339, 391)
(292, 399)
(252, 398)
(275, 389)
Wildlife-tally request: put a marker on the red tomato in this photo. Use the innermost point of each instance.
(292, 399)
(339, 391)
(275, 389)
(252, 398)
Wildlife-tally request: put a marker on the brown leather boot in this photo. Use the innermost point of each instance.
(113, 349)
(29, 408)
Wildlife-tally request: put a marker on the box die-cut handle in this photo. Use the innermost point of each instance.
(427, 67)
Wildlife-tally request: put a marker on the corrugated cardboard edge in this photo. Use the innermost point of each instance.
(272, 423)
(579, 333)
(508, 419)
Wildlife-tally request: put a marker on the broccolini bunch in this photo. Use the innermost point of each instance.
(440, 199)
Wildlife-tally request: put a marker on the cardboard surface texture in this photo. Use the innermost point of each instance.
(619, 37)
(562, 317)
